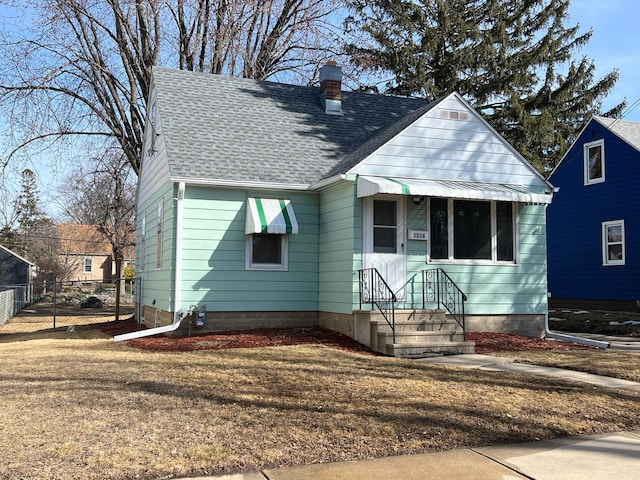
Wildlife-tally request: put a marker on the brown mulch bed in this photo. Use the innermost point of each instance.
(268, 337)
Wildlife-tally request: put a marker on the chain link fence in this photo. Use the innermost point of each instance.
(65, 305)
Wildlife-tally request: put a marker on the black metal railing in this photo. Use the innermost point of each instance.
(375, 290)
(437, 287)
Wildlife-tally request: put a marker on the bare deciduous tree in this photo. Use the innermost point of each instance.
(84, 66)
(104, 195)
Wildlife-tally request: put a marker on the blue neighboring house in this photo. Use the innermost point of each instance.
(14, 269)
(15, 283)
(593, 224)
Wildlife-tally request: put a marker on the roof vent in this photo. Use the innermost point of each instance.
(331, 88)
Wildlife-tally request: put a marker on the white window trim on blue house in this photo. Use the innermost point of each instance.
(588, 179)
(608, 243)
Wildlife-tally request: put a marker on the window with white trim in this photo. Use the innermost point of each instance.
(266, 251)
(594, 162)
(143, 237)
(471, 230)
(613, 242)
(87, 265)
(159, 233)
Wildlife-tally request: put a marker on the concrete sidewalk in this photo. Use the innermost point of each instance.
(487, 362)
(586, 458)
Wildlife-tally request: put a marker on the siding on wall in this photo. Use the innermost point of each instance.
(575, 219)
(340, 248)
(492, 289)
(157, 284)
(155, 166)
(439, 148)
(214, 246)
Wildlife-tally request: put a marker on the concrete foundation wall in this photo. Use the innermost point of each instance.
(528, 325)
(226, 321)
(354, 326)
(153, 317)
(338, 322)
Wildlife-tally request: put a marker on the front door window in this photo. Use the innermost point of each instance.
(385, 226)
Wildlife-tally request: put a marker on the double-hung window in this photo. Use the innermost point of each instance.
(613, 242)
(471, 230)
(594, 162)
(87, 265)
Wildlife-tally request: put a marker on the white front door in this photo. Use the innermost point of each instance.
(384, 240)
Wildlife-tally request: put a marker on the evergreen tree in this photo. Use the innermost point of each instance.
(29, 212)
(38, 237)
(513, 60)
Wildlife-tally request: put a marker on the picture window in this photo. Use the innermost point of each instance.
(471, 230)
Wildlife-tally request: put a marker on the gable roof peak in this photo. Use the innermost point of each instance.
(625, 129)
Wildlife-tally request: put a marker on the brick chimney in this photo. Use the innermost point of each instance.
(331, 88)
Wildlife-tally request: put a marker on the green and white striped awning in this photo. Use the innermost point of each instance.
(270, 215)
(369, 185)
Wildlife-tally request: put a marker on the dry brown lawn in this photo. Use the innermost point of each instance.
(77, 405)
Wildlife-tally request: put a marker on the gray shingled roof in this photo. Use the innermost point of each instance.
(234, 129)
(626, 130)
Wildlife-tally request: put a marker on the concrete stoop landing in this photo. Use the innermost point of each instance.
(418, 334)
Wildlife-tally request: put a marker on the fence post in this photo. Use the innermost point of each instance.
(55, 300)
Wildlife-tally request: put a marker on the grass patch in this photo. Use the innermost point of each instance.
(89, 408)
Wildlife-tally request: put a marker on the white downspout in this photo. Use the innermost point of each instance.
(177, 291)
(570, 338)
(563, 336)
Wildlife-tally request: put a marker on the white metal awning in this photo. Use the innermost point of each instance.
(270, 215)
(368, 185)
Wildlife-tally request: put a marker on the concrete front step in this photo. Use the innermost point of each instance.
(417, 333)
(417, 326)
(431, 320)
(424, 337)
(415, 350)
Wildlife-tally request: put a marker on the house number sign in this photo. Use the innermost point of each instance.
(418, 234)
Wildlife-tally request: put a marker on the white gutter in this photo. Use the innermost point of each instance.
(328, 181)
(177, 296)
(246, 184)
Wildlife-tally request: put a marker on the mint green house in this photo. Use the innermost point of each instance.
(267, 205)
